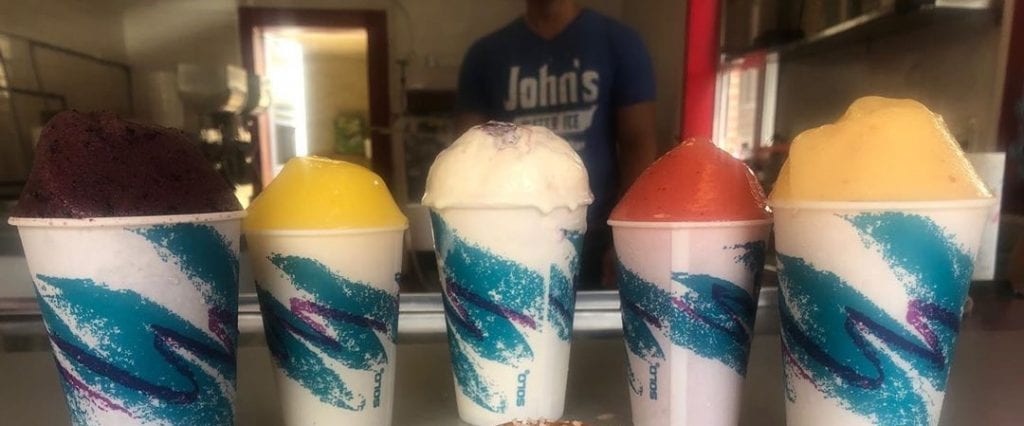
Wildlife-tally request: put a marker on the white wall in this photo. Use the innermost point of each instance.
(159, 34)
(334, 84)
(93, 28)
(85, 26)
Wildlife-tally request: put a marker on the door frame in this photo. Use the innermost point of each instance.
(252, 21)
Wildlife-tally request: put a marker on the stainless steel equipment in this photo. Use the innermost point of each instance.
(227, 98)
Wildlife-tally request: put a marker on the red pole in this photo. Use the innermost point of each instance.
(698, 112)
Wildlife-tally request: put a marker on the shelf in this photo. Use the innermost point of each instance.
(900, 17)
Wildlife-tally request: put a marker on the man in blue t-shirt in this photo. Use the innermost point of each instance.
(586, 77)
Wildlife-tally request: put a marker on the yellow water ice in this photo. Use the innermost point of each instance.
(319, 193)
(881, 150)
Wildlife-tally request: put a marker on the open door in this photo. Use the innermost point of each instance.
(328, 76)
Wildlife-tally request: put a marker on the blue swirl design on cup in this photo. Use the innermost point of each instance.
(853, 351)
(119, 351)
(562, 294)
(488, 300)
(350, 322)
(712, 317)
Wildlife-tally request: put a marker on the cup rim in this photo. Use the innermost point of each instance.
(498, 206)
(689, 225)
(323, 232)
(121, 221)
(971, 203)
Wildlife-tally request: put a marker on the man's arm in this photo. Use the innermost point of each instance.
(637, 140)
(633, 95)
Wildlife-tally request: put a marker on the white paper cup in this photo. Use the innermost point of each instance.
(872, 295)
(142, 314)
(508, 277)
(689, 297)
(330, 312)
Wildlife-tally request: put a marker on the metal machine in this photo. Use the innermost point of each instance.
(227, 100)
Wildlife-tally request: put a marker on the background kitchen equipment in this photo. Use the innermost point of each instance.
(226, 98)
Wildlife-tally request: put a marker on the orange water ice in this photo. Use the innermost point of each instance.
(694, 182)
(881, 149)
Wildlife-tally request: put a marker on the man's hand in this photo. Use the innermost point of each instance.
(637, 141)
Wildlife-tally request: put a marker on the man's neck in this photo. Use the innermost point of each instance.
(548, 18)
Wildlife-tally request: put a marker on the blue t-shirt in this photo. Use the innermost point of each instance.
(571, 84)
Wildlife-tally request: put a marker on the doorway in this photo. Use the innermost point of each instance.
(328, 77)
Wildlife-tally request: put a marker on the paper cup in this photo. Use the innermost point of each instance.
(142, 314)
(330, 313)
(689, 296)
(509, 294)
(872, 295)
